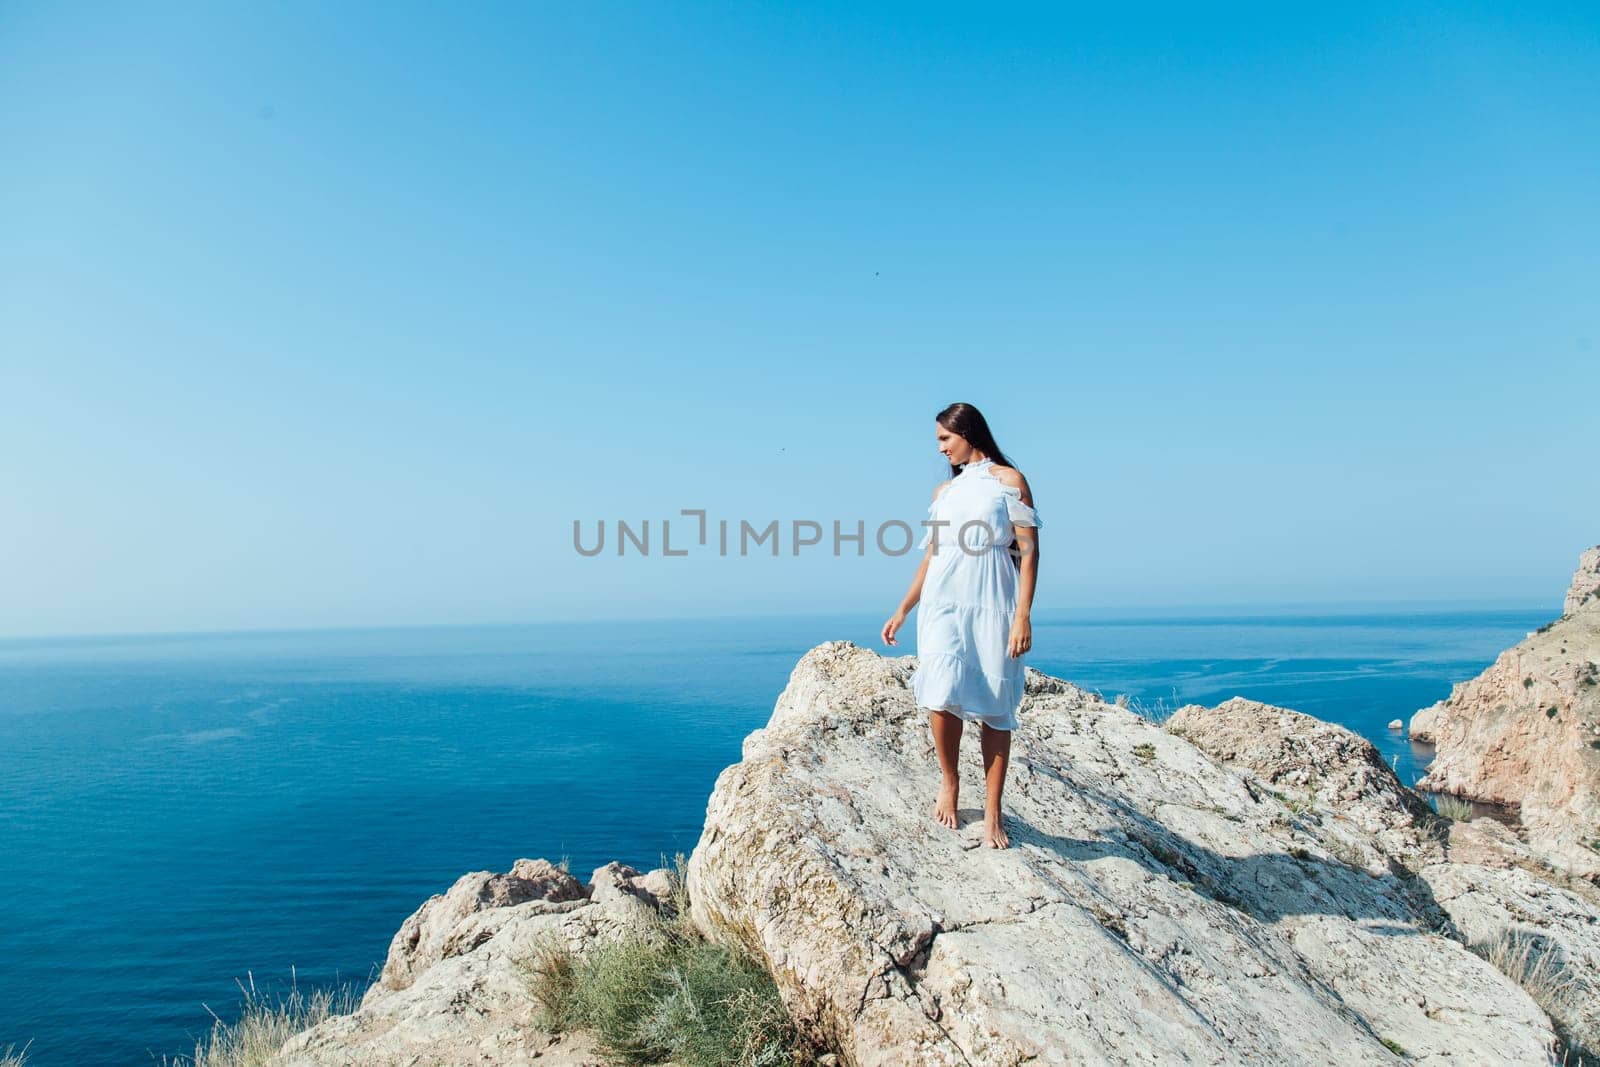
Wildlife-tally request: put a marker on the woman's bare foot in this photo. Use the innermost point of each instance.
(994, 831)
(945, 809)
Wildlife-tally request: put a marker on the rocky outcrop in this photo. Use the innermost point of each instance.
(1424, 723)
(1584, 592)
(455, 987)
(1526, 732)
(1247, 884)
(1253, 886)
(1302, 756)
(472, 911)
(1481, 876)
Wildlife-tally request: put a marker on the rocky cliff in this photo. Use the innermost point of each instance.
(1526, 732)
(1584, 592)
(454, 988)
(1246, 884)
(1249, 885)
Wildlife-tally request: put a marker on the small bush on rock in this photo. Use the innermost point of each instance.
(1452, 807)
(666, 992)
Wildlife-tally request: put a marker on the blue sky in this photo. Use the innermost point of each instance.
(340, 314)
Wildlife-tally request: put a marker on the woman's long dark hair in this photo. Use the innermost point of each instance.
(968, 421)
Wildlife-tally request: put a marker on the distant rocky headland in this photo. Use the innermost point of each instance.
(1526, 732)
(1239, 883)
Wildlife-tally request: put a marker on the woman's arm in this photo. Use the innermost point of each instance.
(1027, 542)
(914, 594)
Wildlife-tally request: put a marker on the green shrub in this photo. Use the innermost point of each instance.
(1452, 807)
(664, 992)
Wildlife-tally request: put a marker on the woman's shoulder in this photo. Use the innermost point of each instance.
(1012, 478)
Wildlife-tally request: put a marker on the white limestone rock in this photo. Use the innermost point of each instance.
(1155, 905)
(456, 988)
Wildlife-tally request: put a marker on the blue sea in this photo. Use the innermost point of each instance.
(180, 812)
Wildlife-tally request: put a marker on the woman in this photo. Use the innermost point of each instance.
(980, 568)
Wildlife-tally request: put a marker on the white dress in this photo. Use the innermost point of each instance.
(969, 599)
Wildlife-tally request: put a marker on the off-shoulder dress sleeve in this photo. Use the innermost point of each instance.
(1021, 514)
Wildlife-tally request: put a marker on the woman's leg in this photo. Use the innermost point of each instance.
(996, 757)
(947, 743)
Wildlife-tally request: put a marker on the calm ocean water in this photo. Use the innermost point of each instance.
(178, 811)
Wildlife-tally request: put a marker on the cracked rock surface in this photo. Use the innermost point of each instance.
(1217, 898)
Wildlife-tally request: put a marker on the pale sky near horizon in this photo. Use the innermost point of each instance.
(322, 315)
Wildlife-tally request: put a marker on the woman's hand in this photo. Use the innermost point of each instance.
(892, 627)
(1021, 637)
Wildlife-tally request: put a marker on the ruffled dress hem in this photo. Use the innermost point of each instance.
(944, 681)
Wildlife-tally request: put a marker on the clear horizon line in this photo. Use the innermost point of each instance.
(1087, 613)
